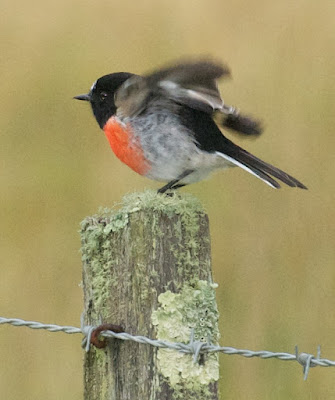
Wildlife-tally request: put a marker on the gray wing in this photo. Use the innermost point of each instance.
(191, 83)
(194, 84)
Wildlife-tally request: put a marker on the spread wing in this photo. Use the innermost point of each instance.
(190, 83)
(193, 84)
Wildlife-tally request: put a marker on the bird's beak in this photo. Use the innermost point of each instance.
(85, 97)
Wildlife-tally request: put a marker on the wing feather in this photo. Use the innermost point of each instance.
(190, 83)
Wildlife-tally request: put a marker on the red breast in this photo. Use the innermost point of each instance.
(126, 146)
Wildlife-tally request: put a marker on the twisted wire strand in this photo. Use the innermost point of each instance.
(194, 348)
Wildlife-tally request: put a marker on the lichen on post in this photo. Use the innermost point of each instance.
(147, 267)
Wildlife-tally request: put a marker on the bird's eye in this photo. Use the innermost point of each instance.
(103, 96)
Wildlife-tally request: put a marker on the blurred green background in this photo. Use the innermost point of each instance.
(273, 251)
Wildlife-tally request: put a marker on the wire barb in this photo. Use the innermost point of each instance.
(307, 360)
(196, 347)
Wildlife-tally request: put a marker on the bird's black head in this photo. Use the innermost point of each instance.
(101, 95)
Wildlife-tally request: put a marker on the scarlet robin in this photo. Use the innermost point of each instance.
(162, 125)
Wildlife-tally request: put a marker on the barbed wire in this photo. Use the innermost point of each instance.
(193, 347)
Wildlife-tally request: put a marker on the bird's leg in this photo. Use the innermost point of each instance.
(174, 184)
(168, 186)
(180, 185)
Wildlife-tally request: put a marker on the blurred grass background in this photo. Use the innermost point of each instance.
(273, 251)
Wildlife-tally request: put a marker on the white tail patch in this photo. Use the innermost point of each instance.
(239, 164)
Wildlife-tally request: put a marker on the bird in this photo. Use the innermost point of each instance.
(168, 125)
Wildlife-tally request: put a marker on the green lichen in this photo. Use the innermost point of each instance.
(102, 385)
(116, 218)
(193, 308)
(175, 203)
(98, 248)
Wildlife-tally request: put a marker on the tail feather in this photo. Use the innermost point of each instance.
(259, 168)
(271, 170)
(259, 174)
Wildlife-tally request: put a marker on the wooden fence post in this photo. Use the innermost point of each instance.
(147, 267)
